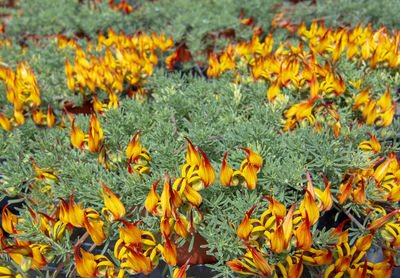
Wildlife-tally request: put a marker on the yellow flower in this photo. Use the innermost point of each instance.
(112, 204)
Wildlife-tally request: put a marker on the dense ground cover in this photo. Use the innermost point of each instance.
(144, 133)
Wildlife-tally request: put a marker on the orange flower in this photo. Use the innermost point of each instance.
(345, 189)
(259, 261)
(303, 234)
(72, 213)
(169, 251)
(166, 198)
(254, 158)
(86, 265)
(37, 116)
(228, 177)
(280, 238)
(8, 221)
(181, 225)
(181, 272)
(372, 145)
(192, 196)
(245, 227)
(242, 268)
(137, 261)
(249, 172)
(152, 199)
(383, 168)
(112, 204)
(273, 91)
(77, 136)
(309, 207)
(95, 230)
(192, 156)
(206, 171)
(95, 134)
(380, 221)
(317, 257)
(325, 197)
(131, 235)
(359, 193)
(134, 148)
(50, 118)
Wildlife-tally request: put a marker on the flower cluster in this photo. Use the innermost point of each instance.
(248, 170)
(94, 139)
(139, 155)
(23, 92)
(378, 112)
(301, 71)
(180, 201)
(127, 60)
(289, 232)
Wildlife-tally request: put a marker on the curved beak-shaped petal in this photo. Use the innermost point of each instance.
(379, 222)
(192, 156)
(245, 227)
(303, 234)
(309, 208)
(72, 213)
(95, 134)
(169, 251)
(192, 196)
(383, 168)
(166, 198)
(95, 230)
(112, 203)
(131, 235)
(325, 197)
(86, 265)
(206, 171)
(181, 272)
(249, 172)
(8, 221)
(259, 261)
(241, 267)
(77, 136)
(276, 207)
(254, 158)
(345, 189)
(372, 145)
(50, 118)
(152, 199)
(134, 148)
(226, 174)
(138, 262)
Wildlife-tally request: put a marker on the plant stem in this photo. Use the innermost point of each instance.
(68, 258)
(352, 218)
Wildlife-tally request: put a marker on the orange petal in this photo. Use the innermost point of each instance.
(169, 251)
(134, 148)
(245, 227)
(77, 136)
(86, 265)
(166, 198)
(206, 171)
(152, 199)
(192, 156)
(112, 203)
(226, 174)
(303, 234)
